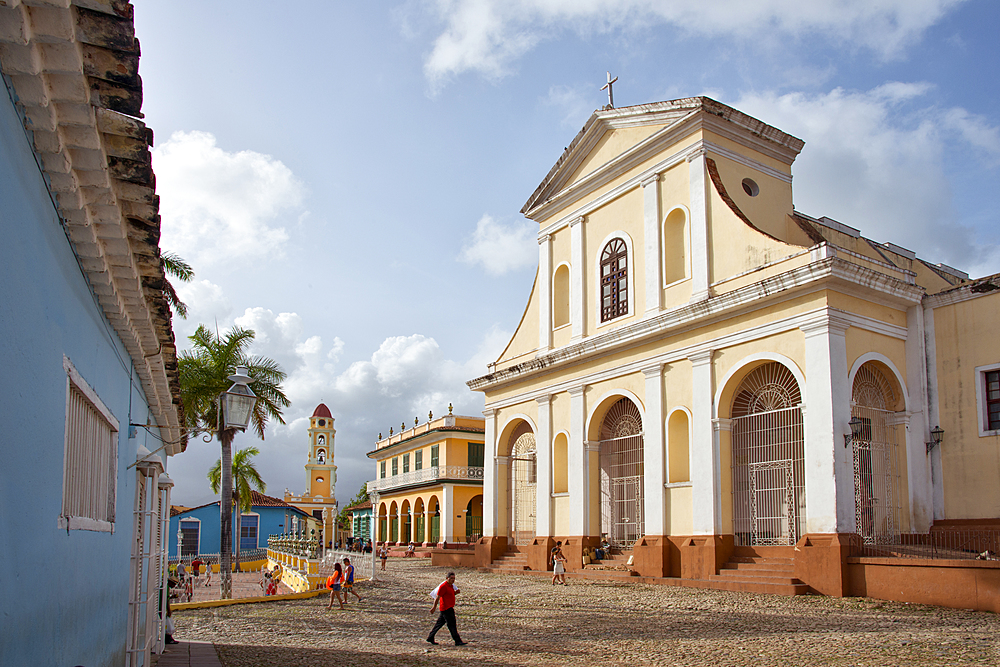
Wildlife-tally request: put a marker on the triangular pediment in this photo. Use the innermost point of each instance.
(613, 140)
(608, 134)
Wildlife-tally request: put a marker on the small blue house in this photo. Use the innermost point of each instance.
(88, 368)
(199, 527)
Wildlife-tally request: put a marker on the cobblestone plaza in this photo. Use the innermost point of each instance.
(524, 620)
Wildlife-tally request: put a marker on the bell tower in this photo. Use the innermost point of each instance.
(321, 473)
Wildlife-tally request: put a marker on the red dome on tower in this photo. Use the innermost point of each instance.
(322, 411)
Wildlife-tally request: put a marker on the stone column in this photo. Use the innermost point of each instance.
(918, 473)
(543, 458)
(933, 414)
(651, 233)
(544, 293)
(577, 462)
(654, 500)
(490, 475)
(829, 463)
(448, 513)
(699, 225)
(706, 484)
(578, 304)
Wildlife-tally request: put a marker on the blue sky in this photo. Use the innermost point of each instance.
(346, 177)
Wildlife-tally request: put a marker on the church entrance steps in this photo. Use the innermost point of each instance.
(512, 561)
(757, 573)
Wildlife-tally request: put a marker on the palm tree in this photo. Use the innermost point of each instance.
(245, 477)
(174, 266)
(204, 375)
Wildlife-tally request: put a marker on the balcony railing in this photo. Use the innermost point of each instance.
(426, 475)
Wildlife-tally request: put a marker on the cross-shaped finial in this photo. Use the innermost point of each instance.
(611, 94)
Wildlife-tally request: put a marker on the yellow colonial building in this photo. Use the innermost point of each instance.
(428, 485)
(319, 498)
(704, 375)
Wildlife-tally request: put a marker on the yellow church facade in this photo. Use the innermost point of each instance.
(703, 373)
(428, 486)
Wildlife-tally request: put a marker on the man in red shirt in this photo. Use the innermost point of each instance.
(445, 599)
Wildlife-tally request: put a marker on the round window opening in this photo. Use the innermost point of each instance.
(750, 187)
(319, 480)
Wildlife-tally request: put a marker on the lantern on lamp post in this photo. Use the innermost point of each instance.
(237, 404)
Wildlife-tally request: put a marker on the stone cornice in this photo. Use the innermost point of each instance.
(811, 276)
(73, 67)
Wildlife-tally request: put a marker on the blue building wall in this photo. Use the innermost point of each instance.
(272, 522)
(46, 311)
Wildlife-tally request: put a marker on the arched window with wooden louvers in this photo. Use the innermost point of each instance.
(614, 280)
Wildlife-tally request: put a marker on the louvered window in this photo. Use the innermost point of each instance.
(90, 468)
(614, 280)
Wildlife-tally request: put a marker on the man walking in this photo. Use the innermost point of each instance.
(349, 580)
(445, 599)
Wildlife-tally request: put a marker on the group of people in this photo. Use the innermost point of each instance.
(270, 579)
(187, 576)
(341, 582)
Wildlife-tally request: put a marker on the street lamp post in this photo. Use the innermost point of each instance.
(237, 406)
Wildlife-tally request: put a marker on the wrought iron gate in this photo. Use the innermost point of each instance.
(768, 459)
(621, 466)
(523, 480)
(876, 476)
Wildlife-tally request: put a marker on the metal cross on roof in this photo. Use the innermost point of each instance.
(611, 93)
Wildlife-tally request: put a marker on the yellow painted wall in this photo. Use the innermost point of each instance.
(965, 338)
(624, 214)
(560, 509)
(680, 511)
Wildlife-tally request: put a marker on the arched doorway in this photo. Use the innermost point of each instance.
(768, 458)
(406, 517)
(523, 477)
(622, 474)
(876, 457)
(419, 521)
(474, 519)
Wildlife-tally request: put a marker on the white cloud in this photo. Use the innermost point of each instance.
(488, 36)
(874, 160)
(501, 248)
(219, 207)
(405, 377)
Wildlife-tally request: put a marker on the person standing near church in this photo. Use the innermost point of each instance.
(445, 600)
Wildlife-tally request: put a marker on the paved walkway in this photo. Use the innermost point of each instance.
(526, 621)
(188, 654)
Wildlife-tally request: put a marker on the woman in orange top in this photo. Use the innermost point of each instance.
(334, 583)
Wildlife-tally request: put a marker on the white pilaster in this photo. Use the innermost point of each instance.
(651, 234)
(698, 184)
(654, 493)
(543, 458)
(544, 294)
(578, 304)
(448, 512)
(933, 412)
(577, 460)
(829, 466)
(918, 473)
(705, 480)
(490, 475)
